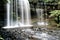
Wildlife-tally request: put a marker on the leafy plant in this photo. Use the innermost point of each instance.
(4, 1)
(56, 15)
(1, 38)
(47, 0)
(59, 2)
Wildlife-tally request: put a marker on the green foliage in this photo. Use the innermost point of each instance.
(30, 0)
(1, 38)
(5, 1)
(55, 13)
(51, 1)
(47, 0)
(59, 2)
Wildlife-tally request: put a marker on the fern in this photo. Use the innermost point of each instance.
(1, 38)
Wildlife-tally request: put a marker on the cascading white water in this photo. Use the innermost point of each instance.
(25, 13)
(11, 22)
(8, 13)
(40, 15)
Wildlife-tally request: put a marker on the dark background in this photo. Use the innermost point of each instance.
(2, 12)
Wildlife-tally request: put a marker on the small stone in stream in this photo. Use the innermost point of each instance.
(8, 39)
(19, 32)
(16, 30)
(43, 29)
(51, 31)
(40, 29)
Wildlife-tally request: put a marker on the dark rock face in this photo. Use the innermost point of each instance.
(6, 34)
(11, 34)
(2, 12)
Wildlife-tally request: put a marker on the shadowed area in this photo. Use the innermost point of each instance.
(2, 13)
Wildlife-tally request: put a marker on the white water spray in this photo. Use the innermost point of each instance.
(40, 15)
(25, 13)
(10, 15)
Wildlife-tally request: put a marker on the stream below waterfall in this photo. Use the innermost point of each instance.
(39, 35)
(30, 34)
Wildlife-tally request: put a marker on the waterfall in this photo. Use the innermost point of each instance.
(12, 21)
(40, 16)
(8, 14)
(25, 13)
(12, 14)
